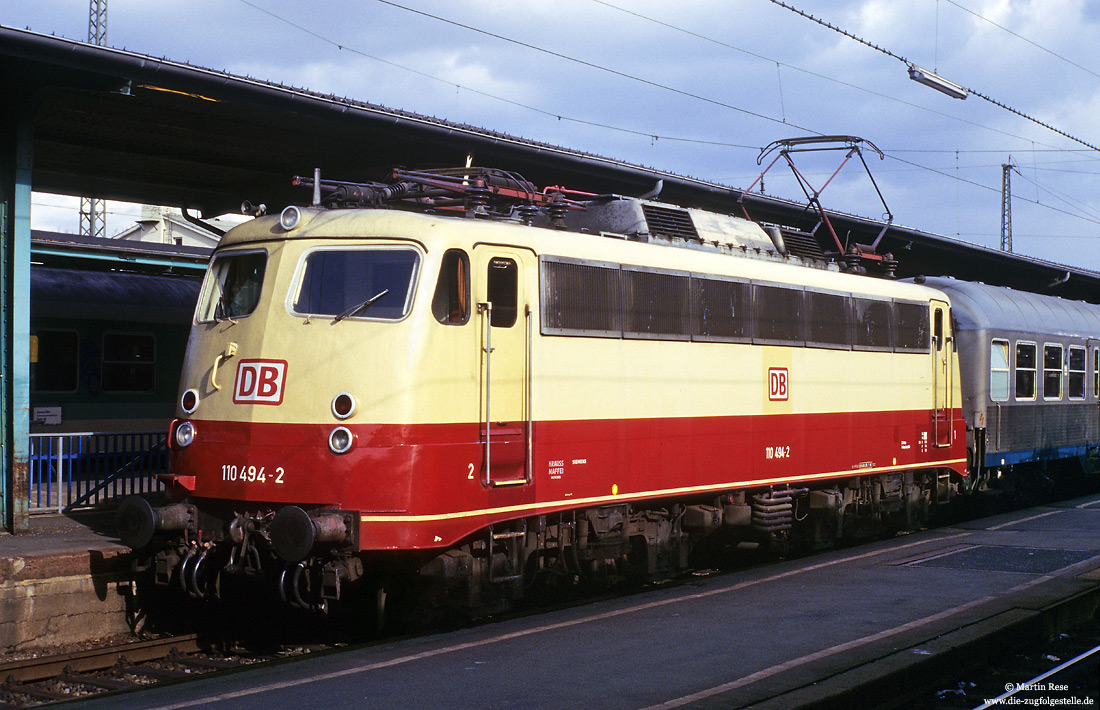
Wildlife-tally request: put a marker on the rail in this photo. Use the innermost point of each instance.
(90, 469)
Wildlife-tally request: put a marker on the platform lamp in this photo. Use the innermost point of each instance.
(937, 82)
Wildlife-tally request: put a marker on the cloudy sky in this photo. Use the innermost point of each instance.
(697, 88)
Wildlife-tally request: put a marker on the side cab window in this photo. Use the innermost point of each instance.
(503, 288)
(451, 302)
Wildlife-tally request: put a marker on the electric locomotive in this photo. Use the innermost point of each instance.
(457, 382)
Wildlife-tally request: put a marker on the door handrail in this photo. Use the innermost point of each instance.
(485, 310)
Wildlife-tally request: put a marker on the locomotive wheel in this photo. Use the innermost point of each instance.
(383, 605)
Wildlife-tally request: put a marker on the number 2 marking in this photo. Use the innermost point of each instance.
(471, 476)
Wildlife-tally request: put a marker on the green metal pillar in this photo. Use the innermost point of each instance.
(16, 158)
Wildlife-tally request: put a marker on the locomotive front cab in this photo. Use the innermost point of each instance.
(293, 378)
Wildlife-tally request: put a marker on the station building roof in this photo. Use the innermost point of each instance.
(74, 251)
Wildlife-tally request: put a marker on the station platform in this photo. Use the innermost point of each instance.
(845, 628)
(63, 582)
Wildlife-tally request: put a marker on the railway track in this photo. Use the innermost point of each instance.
(1063, 671)
(130, 665)
(121, 666)
(142, 663)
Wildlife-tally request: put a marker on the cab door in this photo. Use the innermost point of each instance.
(504, 318)
(1093, 411)
(943, 346)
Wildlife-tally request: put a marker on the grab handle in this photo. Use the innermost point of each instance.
(230, 351)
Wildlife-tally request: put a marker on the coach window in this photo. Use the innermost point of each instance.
(451, 303)
(503, 282)
(1025, 370)
(129, 362)
(998, 370)
(1052, 372)
(1075, 386)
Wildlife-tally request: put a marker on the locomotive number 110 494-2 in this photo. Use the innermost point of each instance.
(252, 474)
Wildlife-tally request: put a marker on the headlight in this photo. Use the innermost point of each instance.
(340, 440)
(343, 405)
(185, 434)
(290, 218)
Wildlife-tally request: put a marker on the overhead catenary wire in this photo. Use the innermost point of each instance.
(808, 72)
(1025, 39)
(647, 134)
(1060, 196)
(607, 126)
(598, 67)
(915, 166)
(889, 153)
(512, 102)
(697, 96)
(905, 61)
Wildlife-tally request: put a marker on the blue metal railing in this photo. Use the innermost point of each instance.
(85, 469)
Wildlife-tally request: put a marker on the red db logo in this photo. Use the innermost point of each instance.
(259, 382)
(777, 384)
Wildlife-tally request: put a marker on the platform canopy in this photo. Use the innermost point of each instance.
(120, 125)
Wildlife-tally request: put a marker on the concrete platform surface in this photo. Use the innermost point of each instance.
(831, 630)
(64, 582)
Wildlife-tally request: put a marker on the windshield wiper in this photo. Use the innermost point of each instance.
(221, 310)
(361, 307)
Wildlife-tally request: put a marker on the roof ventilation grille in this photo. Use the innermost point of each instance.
(669, 223)
(802, 244)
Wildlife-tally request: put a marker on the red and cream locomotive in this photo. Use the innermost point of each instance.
(457, 379)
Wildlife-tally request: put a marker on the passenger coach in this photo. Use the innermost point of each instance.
(1031, 390)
